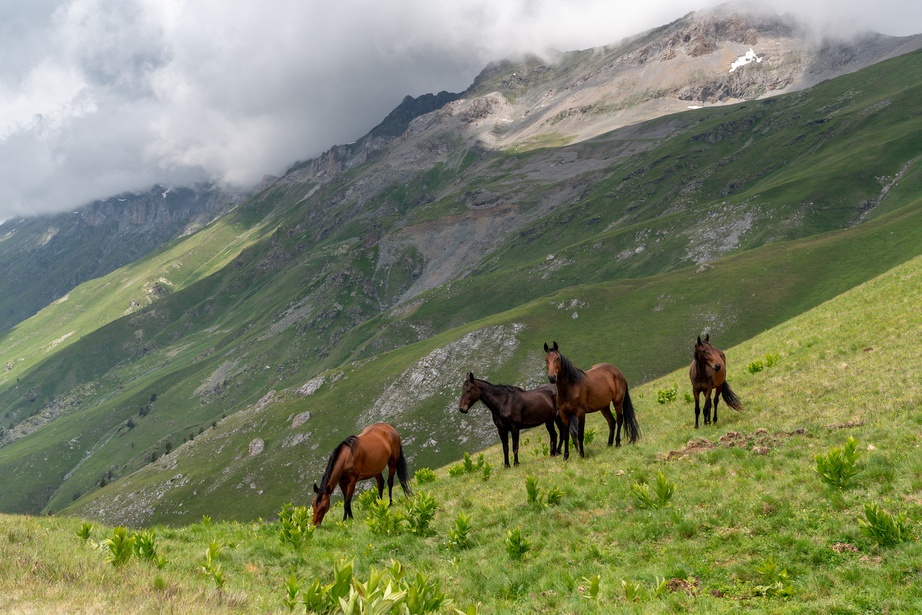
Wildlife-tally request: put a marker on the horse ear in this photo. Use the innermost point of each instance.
(546, 349)
(699, 340)
(707, 337)
(470, 376)
(555, 346)
(316, 488)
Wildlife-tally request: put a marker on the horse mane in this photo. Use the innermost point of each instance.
(573, 373)
(348, 442)
(501, 388)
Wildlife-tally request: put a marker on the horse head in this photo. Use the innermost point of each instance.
(470, 393)
(552, 360)
(320, 503)
(704, 353)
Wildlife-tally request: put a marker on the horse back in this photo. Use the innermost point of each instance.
(604, 383)
(538, 405)
(376, 445)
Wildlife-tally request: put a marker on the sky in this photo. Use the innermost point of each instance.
(100, 97)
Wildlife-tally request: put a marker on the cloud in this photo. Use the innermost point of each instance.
(103, 96)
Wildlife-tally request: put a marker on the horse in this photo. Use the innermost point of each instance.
(358, 458)
(708, 371)
(596, 390)
(513, 408)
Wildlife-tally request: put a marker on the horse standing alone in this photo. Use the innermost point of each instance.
(358, 458)
(596, 390)
(708, 371)
(514, 408)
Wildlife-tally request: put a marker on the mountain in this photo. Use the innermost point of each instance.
(62, 251)
(363, 285)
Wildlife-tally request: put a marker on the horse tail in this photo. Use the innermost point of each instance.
(402, 473)
(631, 428)
(730, 398)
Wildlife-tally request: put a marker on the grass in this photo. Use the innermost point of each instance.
(308, 298)
(749, 525)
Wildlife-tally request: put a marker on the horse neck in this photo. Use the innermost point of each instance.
(332, 477)
(490, 395)
(568, 375)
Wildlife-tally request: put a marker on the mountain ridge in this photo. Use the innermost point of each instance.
(396, 253)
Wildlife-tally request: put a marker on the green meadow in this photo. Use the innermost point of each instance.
(727, 518)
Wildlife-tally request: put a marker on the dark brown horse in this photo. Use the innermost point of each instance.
(708, 371)
(513, 409)
(358, 458)
(596, 390)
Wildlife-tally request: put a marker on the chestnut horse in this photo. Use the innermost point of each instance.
(596, 390)
(708, 371)
(358, 458)
(513, 409)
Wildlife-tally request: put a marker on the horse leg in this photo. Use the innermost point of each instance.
(565, 434)
(515, 444)
(717, 400)
(504, 438)
(553, 434)
(707, 407)
(581, 430)
(380, 478)
(348, 488)
(697, 405)
(612, 428)
(391, 470)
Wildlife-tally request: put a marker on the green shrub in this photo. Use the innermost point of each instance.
(882, 527)
(837, 467)
(145, 548)
(384, 520)
(588, 437)
(424, 595)
(468, 466)
(210, 565)
(537, 497)
(120, 546)
(774, 580)
(459, 535)
(384, 591)
(592, 587)
(667, 395)
(663, 492)
(423, 476)
(631, 590)
(421, 512)
(516, 544)
(85, 530)
(771, 359)
(292, 589)
(366, 499)
(755, 366)
(295, 526)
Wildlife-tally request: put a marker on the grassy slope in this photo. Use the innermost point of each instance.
(752, 290)
(773, 158)
(746, 493)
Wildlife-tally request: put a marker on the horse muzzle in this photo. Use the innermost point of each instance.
(552, 379)
(463, 410)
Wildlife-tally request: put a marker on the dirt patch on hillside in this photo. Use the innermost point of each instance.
(759, 442)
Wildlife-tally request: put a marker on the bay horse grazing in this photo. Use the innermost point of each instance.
(513, 408)
(596, 390)
(708, 371)
(358, 458)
